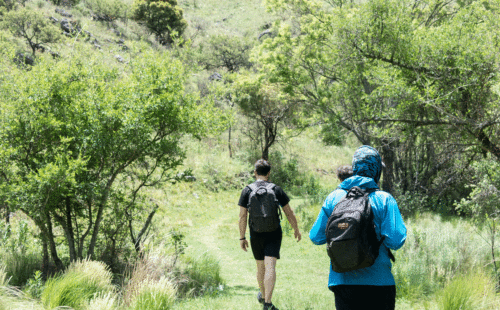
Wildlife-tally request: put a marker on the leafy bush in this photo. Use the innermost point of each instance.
(81, 281)
(467, 292)
(287, 174)
(162, 17)
(108, 9)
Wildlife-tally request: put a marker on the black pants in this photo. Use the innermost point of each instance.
(363, 297)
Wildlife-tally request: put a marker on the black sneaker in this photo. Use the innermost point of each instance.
(270, 307)
(260, 299)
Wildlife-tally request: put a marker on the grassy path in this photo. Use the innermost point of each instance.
(301, 272)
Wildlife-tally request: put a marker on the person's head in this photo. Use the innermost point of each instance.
(367, 162)
(344, 172)
(262, 167)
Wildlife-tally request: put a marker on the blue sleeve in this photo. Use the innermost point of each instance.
(390, 221)
(317, 233)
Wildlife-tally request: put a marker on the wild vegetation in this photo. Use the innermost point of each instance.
(128, 129)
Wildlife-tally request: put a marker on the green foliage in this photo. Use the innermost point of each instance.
(434, 252)
(266, 107)
(32, 26)
(79, 283)
(164, 18)
(226, 51)
(155, 295)
(93, 128)
(111, 9)
(468, 292)
(289, 176)
(203, 277)
(34, 285)
(416, 80)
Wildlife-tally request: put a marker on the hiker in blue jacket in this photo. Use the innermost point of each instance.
(371, 287)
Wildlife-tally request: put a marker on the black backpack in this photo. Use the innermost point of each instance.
(263, 207)
(351, 241)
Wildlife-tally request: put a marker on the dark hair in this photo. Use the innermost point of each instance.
(344, 172)
(262, 167)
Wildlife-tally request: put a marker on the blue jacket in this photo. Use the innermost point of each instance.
(388, 223)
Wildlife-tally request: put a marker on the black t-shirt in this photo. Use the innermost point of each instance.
(278, 191)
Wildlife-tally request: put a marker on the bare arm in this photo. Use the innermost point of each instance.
(290, 216)
(243, 227)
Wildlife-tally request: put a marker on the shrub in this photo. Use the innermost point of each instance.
(81, 281)
(163, 18)
(108, 9)
(467, 292)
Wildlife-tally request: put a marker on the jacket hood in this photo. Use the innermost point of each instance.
(356, 180)
(366, 162)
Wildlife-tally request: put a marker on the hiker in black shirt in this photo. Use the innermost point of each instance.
(265, 245)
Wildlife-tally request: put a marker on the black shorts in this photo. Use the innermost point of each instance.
(361, 297)
(266, 244)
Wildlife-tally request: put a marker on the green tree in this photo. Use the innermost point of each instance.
(32, 26)
(81, 140)
(225, 51)
(416, 79)
(164, 18)
(267, 108)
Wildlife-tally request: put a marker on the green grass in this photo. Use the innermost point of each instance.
(78, 285)
(468, 292)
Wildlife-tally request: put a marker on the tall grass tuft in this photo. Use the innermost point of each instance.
(107, 301)
(4, 281)
(20, 266)
(201, 276)
(468, 292)
(79, 284)
(155, 295)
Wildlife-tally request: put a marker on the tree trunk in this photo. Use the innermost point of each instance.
(52, 244)
(229, 144)
(388, 157)
(69, 231)
(45, 257)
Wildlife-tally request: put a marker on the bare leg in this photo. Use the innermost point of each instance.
(270, 277)
(260, 277)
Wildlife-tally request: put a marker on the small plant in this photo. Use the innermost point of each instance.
(178, 243)
(34, 286)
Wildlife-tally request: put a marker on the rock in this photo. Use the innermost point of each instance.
(66, 26)
(118, 33)
(97, 46)
(215, 77)
(196, 196)
(24, 59)
(124, 47)
(102, 18)
(190, 178)
(119, 58)
(53, 20)
(63, 13)
(121, 41)
(88, 33)
(266, 32)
